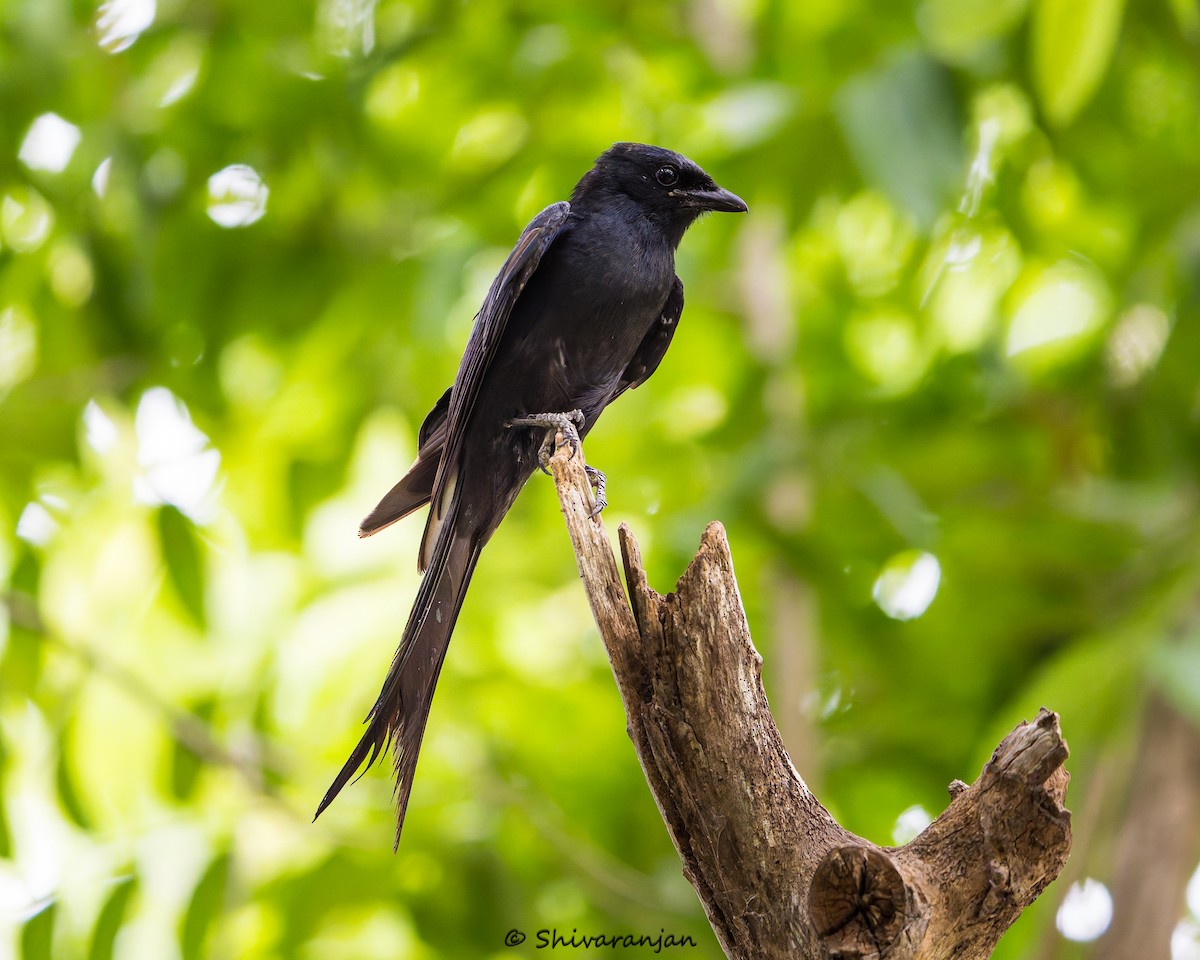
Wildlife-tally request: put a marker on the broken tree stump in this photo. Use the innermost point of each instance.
(778, 877)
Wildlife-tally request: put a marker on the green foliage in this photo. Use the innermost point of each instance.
(112, 915)
(206, 904)
(941, 382)
(1073, 43)
(184, 561)
(37, 934)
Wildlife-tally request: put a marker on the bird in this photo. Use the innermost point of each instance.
(582, 310)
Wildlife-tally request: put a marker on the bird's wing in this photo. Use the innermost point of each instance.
(434, 423)
(481, 350)
(654, 345)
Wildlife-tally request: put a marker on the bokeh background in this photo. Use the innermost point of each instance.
(942, 385)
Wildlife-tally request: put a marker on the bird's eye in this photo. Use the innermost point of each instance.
(666, 175)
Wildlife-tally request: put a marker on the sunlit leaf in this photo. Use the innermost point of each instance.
(1188, 15)
(5, 835)
(208, 900)
(184, 557)
(956, 28)
(64, 781)
(185, 765)
(37, 934)
(21, 664)
(112, 915)
(22, 661)
(1073, 43)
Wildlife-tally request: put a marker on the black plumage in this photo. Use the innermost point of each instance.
(583, 309)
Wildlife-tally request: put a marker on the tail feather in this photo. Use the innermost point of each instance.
(415, 487)
(409, 494)
(398, 717)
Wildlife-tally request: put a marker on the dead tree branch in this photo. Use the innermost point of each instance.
(778, 877)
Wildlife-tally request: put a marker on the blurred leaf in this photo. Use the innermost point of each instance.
(1073, 43)
(185, 765)
(208, 900)
(185, 771)
(956, 28)
(1176, 669)
(112, 915)
(1187, 12)
(37, 934)
(5, 835)
(22, 660)
(21, 663)
(900, 124)
(1088, 683)
(64, 782)
(184, 557)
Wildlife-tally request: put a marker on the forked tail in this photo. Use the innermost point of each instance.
(400, 713)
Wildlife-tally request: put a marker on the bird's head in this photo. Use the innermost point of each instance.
(666, 186)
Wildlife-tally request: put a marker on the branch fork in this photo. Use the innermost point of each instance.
(778, 877)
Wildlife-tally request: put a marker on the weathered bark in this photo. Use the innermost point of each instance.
(777, 875)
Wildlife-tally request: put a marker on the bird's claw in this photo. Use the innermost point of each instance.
(553, 423)
(600, 482)
(567, 424)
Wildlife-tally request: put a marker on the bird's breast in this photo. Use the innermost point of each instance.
(599, 290)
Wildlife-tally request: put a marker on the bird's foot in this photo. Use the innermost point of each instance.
(553, 423)
(600, 482)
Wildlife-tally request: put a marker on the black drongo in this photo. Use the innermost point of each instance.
(582, 310)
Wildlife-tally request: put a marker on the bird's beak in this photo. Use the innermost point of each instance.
(717, 198)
